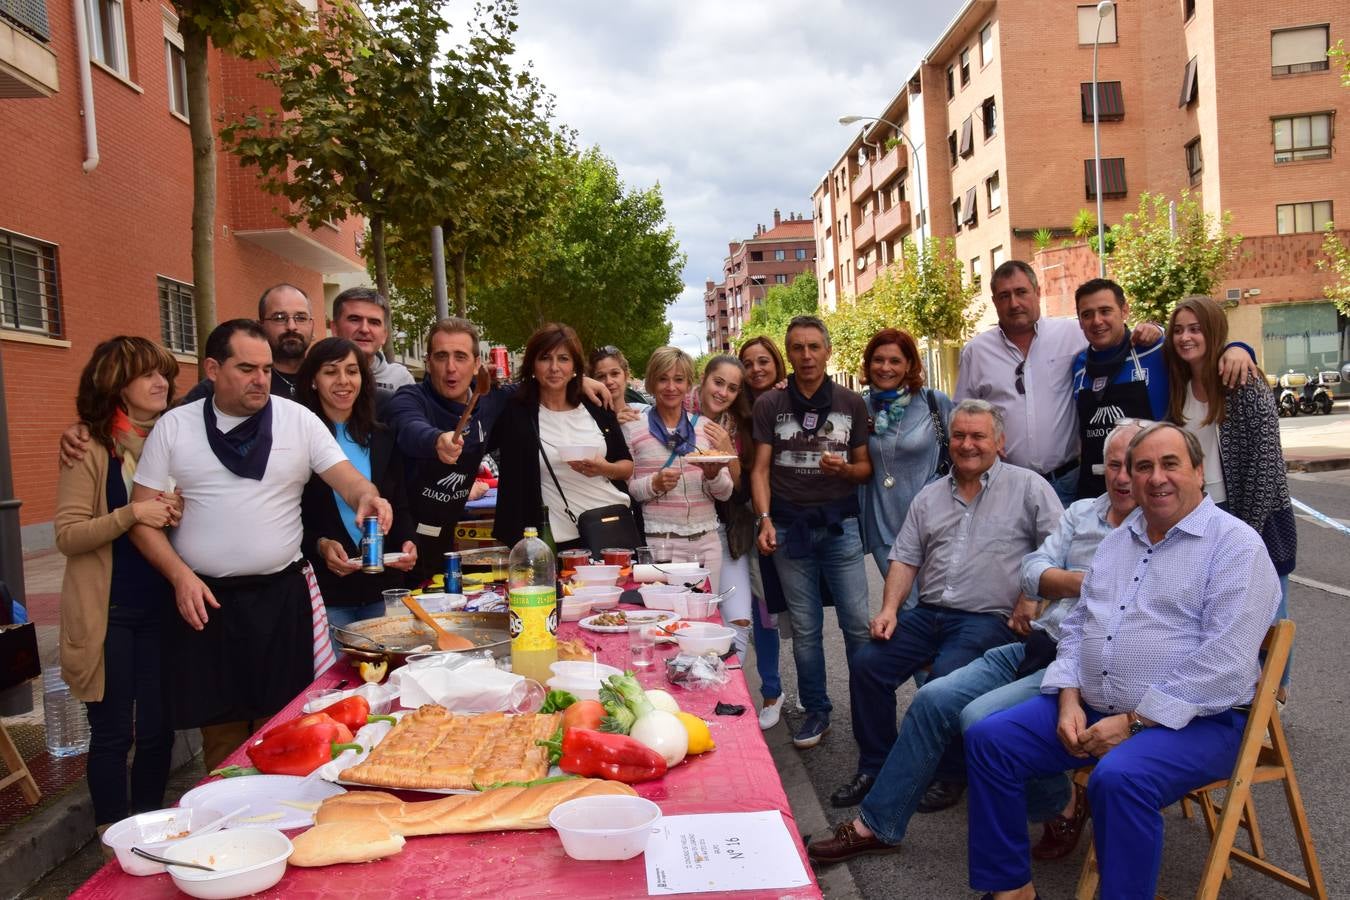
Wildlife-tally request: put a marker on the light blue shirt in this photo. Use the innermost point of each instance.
(1171, 630)
(360, 457)
(1071, 547)
(908, 452)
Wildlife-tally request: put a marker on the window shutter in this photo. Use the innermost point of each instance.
(1188, 91)
(1298, 46)
(967, 136)
(971, 208)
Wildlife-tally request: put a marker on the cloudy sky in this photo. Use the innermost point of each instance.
(732, 105)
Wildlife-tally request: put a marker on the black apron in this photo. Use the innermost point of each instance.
(1098, 413)
(437, 494)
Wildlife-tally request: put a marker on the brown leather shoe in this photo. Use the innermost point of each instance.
(1061, 834)
(845, 845)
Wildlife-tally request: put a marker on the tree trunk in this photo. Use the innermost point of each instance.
(461, 287)
(382, 275)
(203, 184)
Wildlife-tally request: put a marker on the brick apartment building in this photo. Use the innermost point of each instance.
(95, 228)
(1235, 101)
(773, 256)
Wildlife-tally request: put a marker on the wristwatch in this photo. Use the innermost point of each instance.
(1136, 724)
(760, 518)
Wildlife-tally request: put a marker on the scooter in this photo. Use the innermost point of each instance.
(1316, 394)
(1287, 400)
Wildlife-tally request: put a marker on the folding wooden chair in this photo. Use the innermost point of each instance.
(18, 769)
(1263, 756)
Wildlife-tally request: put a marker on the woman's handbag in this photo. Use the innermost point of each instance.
(605, 526)
(944, 464)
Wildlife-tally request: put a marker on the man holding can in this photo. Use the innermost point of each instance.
(243, 643)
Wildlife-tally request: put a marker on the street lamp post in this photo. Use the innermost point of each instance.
(1103, 10)
(918, 175)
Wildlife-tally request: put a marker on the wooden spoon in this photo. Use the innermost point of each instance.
(481, 385)
(444, 639)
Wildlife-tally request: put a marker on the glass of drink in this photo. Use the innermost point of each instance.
(568, 560)
(662, 552)
(393, 601)
(644, 556)
(617, 556)
(641, 645)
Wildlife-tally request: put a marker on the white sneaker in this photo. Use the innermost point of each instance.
(771, 713)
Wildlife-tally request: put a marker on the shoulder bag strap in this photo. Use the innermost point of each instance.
(544, 456)
(944, 452)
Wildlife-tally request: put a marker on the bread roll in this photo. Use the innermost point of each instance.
(344, 842)
(501, 809)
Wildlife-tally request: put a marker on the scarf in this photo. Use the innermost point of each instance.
(678, 442)
(811, 412)
(243, 450)
(1104, 364)
(128, 437)
(883, 402)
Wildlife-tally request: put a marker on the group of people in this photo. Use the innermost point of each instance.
(1081, 550)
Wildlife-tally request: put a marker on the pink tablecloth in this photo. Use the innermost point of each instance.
(739, 776)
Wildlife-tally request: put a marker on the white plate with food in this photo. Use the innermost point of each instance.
(618, 621)
(274, 801)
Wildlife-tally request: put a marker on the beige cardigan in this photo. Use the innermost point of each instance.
(84, 533)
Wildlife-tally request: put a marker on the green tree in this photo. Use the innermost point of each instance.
(781, 302)
(1337, 262)
(1341, 55)
(248, 29)
(1157, 267)
(603, 259)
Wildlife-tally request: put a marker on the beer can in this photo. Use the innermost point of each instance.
(372, 546)
(454, 573)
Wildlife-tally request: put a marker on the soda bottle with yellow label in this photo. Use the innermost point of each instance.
(533, 597)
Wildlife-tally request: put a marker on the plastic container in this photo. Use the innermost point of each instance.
(600, 575)
(574, 452)
(683, 577)
(660, 595)
(247, 860)
(154, 831)
(574, 609)
(65, 718)
(704, 637)
(691, 605)
(610, 828)
(598, 596)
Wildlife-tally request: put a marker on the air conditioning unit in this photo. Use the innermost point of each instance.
(862, 263)
(1235, 294)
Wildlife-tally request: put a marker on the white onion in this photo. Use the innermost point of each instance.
(662, 700)
(664, 733)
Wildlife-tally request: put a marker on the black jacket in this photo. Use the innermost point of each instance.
(516, 435)
(319, 513)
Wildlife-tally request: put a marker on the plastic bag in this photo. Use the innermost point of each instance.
(697, 672)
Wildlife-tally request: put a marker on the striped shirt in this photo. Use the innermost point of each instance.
(686, 508)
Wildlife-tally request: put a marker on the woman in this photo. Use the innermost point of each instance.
(764, 370)
(547, 413)
(112, 600)
(905, 444)
(1239, 431)
(335, 383)
(726, 414)
(610, 367)
(676, 492)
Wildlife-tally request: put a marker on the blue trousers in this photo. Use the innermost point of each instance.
(766, 637)
(949, 638)
(1127, 790)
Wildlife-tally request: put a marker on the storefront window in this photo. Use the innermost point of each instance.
(1307, 337)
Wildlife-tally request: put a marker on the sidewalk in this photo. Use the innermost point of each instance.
(1317, 443)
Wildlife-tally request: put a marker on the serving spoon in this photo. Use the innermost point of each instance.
(482, 383)
(444, 639)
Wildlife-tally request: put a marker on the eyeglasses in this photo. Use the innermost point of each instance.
(1020, 383)
(283, 318)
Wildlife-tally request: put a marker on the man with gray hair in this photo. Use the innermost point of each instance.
(361, 315)
(963, 539)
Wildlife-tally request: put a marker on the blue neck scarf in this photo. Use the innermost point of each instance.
(890, 408)
(680, 441)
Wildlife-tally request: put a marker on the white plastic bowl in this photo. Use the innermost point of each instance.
(661, 595)
(705, 637)
(610, 828)
(691, 605)
(581, 687)
(574, 452)
(599, 596)
(573, 668)
(683, 577)
(574, 610)
(247, 860)
(151, 831)
(596, 575)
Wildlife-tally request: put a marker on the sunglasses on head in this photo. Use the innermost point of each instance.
(1020, 383)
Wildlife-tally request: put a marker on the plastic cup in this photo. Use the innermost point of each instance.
(644, 556)
(393, 601)
(568, 560)
(617, 556)
(641, 646)
(316, 701)
(662, 552)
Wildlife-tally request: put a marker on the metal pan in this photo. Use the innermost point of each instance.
(401, 636)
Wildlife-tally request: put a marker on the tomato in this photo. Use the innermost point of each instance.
(584, 714)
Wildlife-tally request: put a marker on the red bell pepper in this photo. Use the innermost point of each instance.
(616, 757)
(300, 750)
(354, 712)
(344, 734)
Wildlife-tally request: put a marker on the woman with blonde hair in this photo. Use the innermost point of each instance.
(112, 599)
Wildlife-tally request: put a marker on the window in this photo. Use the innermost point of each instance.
(177, 318)
(1188, 9)
(989, 115)
(175, 65)
(898, 192)
(1295, 217)
(30, 298)
(1302, 137)
(107, 34)
(1194, 163)
(799, 253)
(1189, 90)
(951, 147)
(1112, 107)
(976, 275)
(956, 213)
(1297, 50)
(994, 192)
(968, 136)
(1113, 177)
(951, 82)
(996, 257)
(1088, 20)
(779, 255)
(986, 44)
(965, 67)
(972, 216)
(757, 256)
(780, 279)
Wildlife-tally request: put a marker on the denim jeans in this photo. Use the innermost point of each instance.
(1066, 487)
(764, 628)
(949, 638)
(838, 560)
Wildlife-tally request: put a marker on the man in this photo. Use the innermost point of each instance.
(241, 647)
(1001, 678)
(361, 315)
(1154, 665)
(810, 457)
(963, 539)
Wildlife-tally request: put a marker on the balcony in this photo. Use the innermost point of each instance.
(888, 165)
(865, 278)
(862, 182)
(864, 232)
(27, 66)
(892, 221)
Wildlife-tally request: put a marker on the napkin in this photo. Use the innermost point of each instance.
(461, 685)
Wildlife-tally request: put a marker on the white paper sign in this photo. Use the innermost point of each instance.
(722, 852)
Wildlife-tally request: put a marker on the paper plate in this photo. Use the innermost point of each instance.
(648, 617)
(389, 559)
(267, 796)
(710, 458)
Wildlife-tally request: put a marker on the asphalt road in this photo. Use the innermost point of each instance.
(932, 863)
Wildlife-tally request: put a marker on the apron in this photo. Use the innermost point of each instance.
(436, 496)
(1098, 413)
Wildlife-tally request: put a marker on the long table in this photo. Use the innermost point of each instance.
(739, 776)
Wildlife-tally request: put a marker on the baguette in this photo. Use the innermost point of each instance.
(344, 842)
(500, 809)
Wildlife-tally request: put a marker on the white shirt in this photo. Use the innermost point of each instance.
(571, 428)
(1194, 412)
(1040, 426)
(233, 525)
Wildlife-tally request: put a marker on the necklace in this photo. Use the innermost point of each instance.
(883, 427)
(287, 380)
